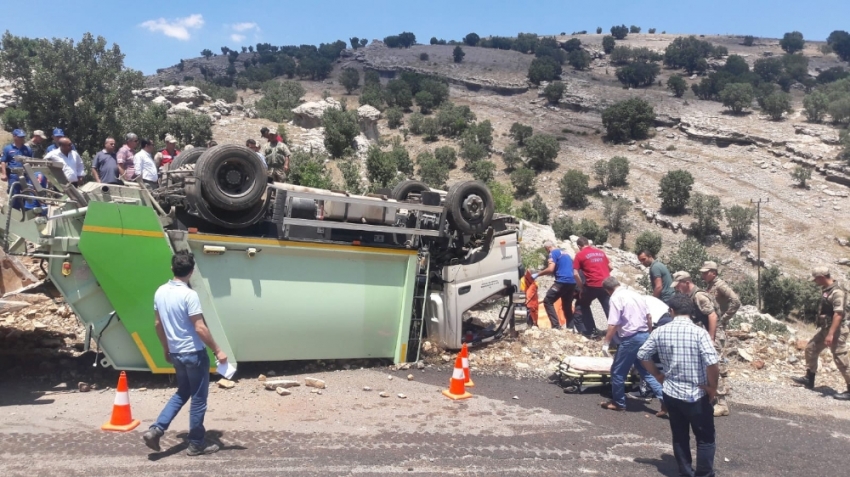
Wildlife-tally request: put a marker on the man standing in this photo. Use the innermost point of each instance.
(689, 383)
(167, 155)
(561, 266)
(105, 165)
(58, 134)
(72, 163)
(145, 165)
(277, 157)
(630, 320)
(8, 161)
(833, 329)
(593, 263)
(36, 144)
(726, 298)
(182, 331)
(252, 145)
(125, 157)
(659, 276)
(268, 136)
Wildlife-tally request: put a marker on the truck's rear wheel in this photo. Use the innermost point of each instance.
(232, 177)
(405, 188)
(185, 158)
(470, 206)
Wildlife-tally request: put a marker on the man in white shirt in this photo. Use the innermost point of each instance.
(72, 163)
(145, 165)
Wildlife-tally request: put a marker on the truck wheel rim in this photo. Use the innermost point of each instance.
(473, 207)
(233, 178)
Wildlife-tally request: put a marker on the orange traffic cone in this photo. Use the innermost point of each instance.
(464, 357)
(456, 388)
(122, 417)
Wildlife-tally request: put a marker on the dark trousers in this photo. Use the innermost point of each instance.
(588, 294)
(699, 417)
(565, 292)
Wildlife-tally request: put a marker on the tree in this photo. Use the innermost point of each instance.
(351, 176)
(688, 53)
(674, 190)
(414, 122)
(688, 257)
(619, 32)
(483, 132)
(394, 118)
(447, 156)
(523, 181)
(363, 42)
(426, 102)
(432, 171)
(792, 42)
(455, 120)
(430, 129)
(634, 29)
(677, 85)
(80, 86)
(579, 59)
(458, 54)
(777, 104)
(815, 106)
(308, 169)
(800, 175)
(737, 96)
(520, 132)
(355, 42)
(736, 65)
(629, 119)
(598, 30)
(638, 73)
(839, 41)
(831, 75)
(398, 94)
(401, 158)
(769, 69)
(574, 189)
(350, 79)
(608, 44)
(707, 211)
(206, 53)
(511, 157)
(543, 69)
(341, 128)
(650, 241)
(279, 99)
(621, 55)
(616, 213)
(380, 167)
(571, 45)
(541, 150)
(472, 152)
(652, 31)
(554, 91)
(796, 66)
(502, 197)
(563, 228)
(618, 171)
(471, 39)
(540, 209)
(482, 170)
(749, 40)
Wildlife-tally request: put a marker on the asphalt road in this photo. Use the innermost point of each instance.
(543, 432)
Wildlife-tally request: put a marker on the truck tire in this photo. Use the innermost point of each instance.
(232, 177)
(405, 188)
(185, 158)
(470, 207)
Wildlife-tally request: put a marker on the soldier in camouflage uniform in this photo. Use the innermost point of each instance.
(833, 329)
(277, 158)
(706, 312)
(727, 302)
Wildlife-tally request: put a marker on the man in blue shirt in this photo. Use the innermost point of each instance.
(561, 266)
(8, 162)
(57, 135)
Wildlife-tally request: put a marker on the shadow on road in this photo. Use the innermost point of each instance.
(212, 437)
(666, 465)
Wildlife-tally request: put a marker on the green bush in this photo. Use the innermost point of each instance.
(153, 121)
(648, 241)
(523, 181)
(380, 168)
(792, 42)
(619, 32)
(483, 132)
(652, 31)
(592, 231)
(471, 39)
(482, 170)
(430, 129)
(637, 74)
(749, 40)
(844, 138)
(579, 59)
(542, 210)
(620, 55)
(447, 156)
(401, 158)
(472, 152)
(14, 118)
(737, 96)
(349, 79)
(341, 128)
(543, 69)
(629, 119)
(801, 175)
(425, 101)
(308, 170)
(613, 173)
(634, 29)
(839, 41)
(351, 176)
(782, 296)
(740, 219)
(502, 197)
(458, 54)
(398, 94)
(394, 118)
(616, 213)
(278, 100)
(372, 94)
(674, 190)
(432, 171)
(520, 132)
(708, 213)
(415, 123)
(776, 104)
(574, 189)
(563, 228)
(541, 150)
(746, 290)
(571, 45)
(454, 120)
(768, 69)
(689, 257)
(608, 44)
(554, 91)
(677, 85)
(689, 54)
(423, 56)
(511, 157)
(832, 75)
(815, 106)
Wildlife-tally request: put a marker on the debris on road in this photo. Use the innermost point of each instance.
(226, 383)
(83, 387)
(401, 396)
(384, 394)
(283, 391)
(410, 377)
(314, 383)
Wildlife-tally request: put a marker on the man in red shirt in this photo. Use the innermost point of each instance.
(167, 155)
(593, 263)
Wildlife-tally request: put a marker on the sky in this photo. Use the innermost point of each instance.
(163, 32)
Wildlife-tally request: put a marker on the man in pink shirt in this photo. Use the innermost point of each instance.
(630, 320)
(125, 157)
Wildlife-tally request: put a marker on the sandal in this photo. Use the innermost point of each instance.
(662, 412)
(611, 406)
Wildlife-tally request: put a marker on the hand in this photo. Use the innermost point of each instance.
(605, 351)
(220, 357)
(286, 167)
(4, 178)
(659, 377)
(828, 340)
(167, 357)
(710, 391)
(534, 276)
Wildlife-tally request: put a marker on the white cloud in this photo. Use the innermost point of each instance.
(237, 38)
(177, 28)
(245, 26)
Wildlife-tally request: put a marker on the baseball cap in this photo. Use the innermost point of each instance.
(39, 133)
(680, 276)
(819, 272)
(19, 133)
(58, 133)
(170, 138)
(706, 266)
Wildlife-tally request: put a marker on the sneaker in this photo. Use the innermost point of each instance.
(151, 438)
(639, 396)
(721, 410)
(199, 450)
(845, 396)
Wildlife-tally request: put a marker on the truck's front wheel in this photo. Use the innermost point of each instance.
(470, 206)
(232, 177)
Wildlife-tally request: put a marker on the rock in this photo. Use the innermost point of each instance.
(758, 364)
(367, 388)
(389, 377)
(160, 100)
(222, 107)
(801, 344)
(746, 355)
(420, 365)
(843, 261)
(83, 387)
(309, 115)
(746, 327)
(792, 359)
(261, 378)
(401, 396)
(187, 94)
(367, 117)
(314, 383)
(271, 385)
(410, 377)
(515, 397)
(226, 383)
(384, 394)
(283, 391)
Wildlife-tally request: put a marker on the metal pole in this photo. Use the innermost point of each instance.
(758, 250)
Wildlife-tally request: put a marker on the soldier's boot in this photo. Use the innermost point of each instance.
(721, 408)
(808, 381)
(845, 396)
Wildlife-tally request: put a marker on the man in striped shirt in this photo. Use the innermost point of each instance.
(689, 383)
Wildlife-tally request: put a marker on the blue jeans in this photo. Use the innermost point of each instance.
(625, 358)
(698, 416)
(193, 381)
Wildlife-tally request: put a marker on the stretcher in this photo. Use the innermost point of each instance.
(577, 373)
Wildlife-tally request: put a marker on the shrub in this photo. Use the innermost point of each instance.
(634, 29)
(502, 197)
(308, 170)
(471, 39)
(677, 85)
(800, 175)
(648, 241)
(689, 257)
(341, 128)
(447, 156)
(746, 290)
(520, 132)
(651, 31)
(598, 30)
(777, 104)
(14, 118)
(796, 66)
(398, 94)
(483, 132)
(792, 42)
(472, 152)
(380, 167)
(815, 106)
(688, 53)
(579, 59)
(541, 150)
(574, 189)
(563, 227)
(783, 295)
(554, 91)
(349, 79)
(394, 118)
(430, 129)
(571, 45)
(638, 74)
(618, 171)
(454, 120)
(629, 119)
(737, 96)
(736, 65)
(542, 210)
(458, 54)
(707, 211)
(543, 69)
(432, 171)
(523, 181)
(769, 69)
(414, 123)
(592, 231)
(619, 32)
(844, 139)
(674, 190)
(740, 219)
(749, 40)
(351, 176)
(832, 74)
(720, 52)
(608, 44)
(482, 170)
(401, 157)
(511, 157)
(372, 94)
(839, 41)
(621, 55)
(425, 101)
(616, 213)
(279, 99)
(423, 56)
(839, 109)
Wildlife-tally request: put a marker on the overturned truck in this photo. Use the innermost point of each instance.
(283, 272)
